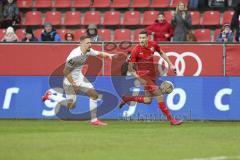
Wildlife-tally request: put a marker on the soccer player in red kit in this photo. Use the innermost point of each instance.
(142, 67)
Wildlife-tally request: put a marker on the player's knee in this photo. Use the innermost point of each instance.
(147, 100)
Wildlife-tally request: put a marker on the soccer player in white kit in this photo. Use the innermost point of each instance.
(74, 80)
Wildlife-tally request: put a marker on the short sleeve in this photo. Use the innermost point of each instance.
(133, 57)
(93, 52)
(157, 47)
(70, 62)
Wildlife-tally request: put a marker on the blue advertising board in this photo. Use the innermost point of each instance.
(194, 98)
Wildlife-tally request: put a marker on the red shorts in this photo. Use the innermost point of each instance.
(150, 85)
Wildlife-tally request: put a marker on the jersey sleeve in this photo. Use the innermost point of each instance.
(157, 47)
(93, 52)
(133, 57)
(70, 62)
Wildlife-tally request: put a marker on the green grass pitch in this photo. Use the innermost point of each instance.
(120, 140)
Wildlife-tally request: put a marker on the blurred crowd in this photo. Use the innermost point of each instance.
(178, 30)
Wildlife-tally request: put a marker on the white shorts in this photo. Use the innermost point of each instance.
(81, 81)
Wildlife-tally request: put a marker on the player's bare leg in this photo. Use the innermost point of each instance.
(94, 97)
(164, 109)
(146, 99)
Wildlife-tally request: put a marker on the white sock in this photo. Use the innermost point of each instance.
(93, 110)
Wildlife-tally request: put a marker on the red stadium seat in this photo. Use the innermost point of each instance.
(81, 3)
(62, 33)
(43, 4)
(20, 33)
(91, 17)
(169, 15)
(160, 4)
(54, 17)
(33, 18)
(227, 17)
(78, 33)
(131, 18)
(203, 35)
(216, 32)
(175, 3)
(38, 33)
(111, 18)
(72, 18)
(101, 4)
(2, 33)
(140, 4)
(62, 4)
(135, 39)
(211, 18)
(149, 17)
(105, 34)
(24, 3)
(122, 35)
(195, 17)
(120, 4)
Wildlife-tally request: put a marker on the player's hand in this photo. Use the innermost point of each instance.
(111, 56)
(173, 68)
(75, 87)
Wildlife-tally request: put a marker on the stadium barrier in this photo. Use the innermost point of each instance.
(203, 93)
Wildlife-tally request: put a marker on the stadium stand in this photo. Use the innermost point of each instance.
(122, 35)
(24, 4)
(72, 18)
(62, 4)
(110, 15)
(149, 17)
(101, 4)
(120, 4)
(92, 17)
(81, 3)
(43, 4)
(160, 4)
(140, 4)
(111, 18)
(211, 18)
(54, 17)
(33, 18)
(203, 35)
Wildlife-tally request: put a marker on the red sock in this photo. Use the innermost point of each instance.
(139, 99)
(165, 110)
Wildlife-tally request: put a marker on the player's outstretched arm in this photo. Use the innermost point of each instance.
(105, 54)
(165, 57)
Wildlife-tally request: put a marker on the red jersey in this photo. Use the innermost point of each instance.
(143, 57)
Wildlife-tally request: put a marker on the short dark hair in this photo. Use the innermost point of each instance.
(143, 32)
(84, 37)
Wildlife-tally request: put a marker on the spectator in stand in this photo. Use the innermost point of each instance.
(10, 35)
(10, 14)
(234, 3)
(193, 4)
(161, 29)
(182, 22)
(29, 36)
(235, 24)
(226, 34)
(93, 33)
(50, 34)
(69, 37)
(1, 12)
(218, 3)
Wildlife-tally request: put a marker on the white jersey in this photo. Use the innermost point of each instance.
(76, 60)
